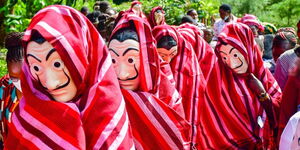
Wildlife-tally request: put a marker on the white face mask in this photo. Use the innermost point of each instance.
(17, 85)
(225, 18)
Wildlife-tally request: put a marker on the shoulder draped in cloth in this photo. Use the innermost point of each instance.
(155, 123)
(234, 107)
(204, 52)
(96, 118)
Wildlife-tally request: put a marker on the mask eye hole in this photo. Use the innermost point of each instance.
(130, 60)
(58, 64)
(36, 68)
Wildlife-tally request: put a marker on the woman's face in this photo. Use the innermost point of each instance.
(47, 67)
(14, 70)
(233, 59)
(279, 48)
(126, 61)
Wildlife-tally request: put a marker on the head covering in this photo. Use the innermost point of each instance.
(233, 105)
(287, 29)
(151, 18)
(204, 52)
(252, 20)
(280, 37)
(155, 124)
(142, 15)
(269, 28)
(96, 118)
(189, 79)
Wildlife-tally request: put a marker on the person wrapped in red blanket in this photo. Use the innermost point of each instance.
(188, 76)
(244, 96)
(71, 98)
(155, 123)
(157, 16)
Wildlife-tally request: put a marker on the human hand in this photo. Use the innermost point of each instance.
(255, 85)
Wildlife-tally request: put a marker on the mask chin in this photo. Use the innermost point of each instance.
(17, 84)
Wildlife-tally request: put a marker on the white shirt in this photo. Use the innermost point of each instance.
(290, 138)
(219, 25)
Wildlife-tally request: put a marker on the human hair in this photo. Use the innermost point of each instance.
(125, 34)
(94, 16)
(225, 7)
(187, 19)
(190, 11)
(37, 37)
(13, 44)
(84, 9)
(166, 42)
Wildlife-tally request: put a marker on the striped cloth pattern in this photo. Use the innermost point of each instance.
(284, 64)
(233, 109)
(155, 109)
(204, 52)
(189, 79)
(97, 118)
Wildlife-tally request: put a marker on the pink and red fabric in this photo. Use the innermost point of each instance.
(154, 111)
(250, 20)
(188, 76)
(233, 108)
(96, 118)
(151, 17)
(204, 52)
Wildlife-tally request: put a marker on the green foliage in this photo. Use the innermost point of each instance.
(3, 69)
(281, 13)
(18, 13)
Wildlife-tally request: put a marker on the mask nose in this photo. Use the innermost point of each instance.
(123, 73)
(51, 80)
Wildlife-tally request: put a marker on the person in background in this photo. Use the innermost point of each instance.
(283, 41)
(269, 34)
(157, 16)
(103, 6)
(84, 10)
(290, 99)
(298, 32)
(193, 13)
(94, 18)
(256, 27)
(187, 19)
(136, 8)
(285, 63)
(226, 17)
(10, 88)
(208, 35)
